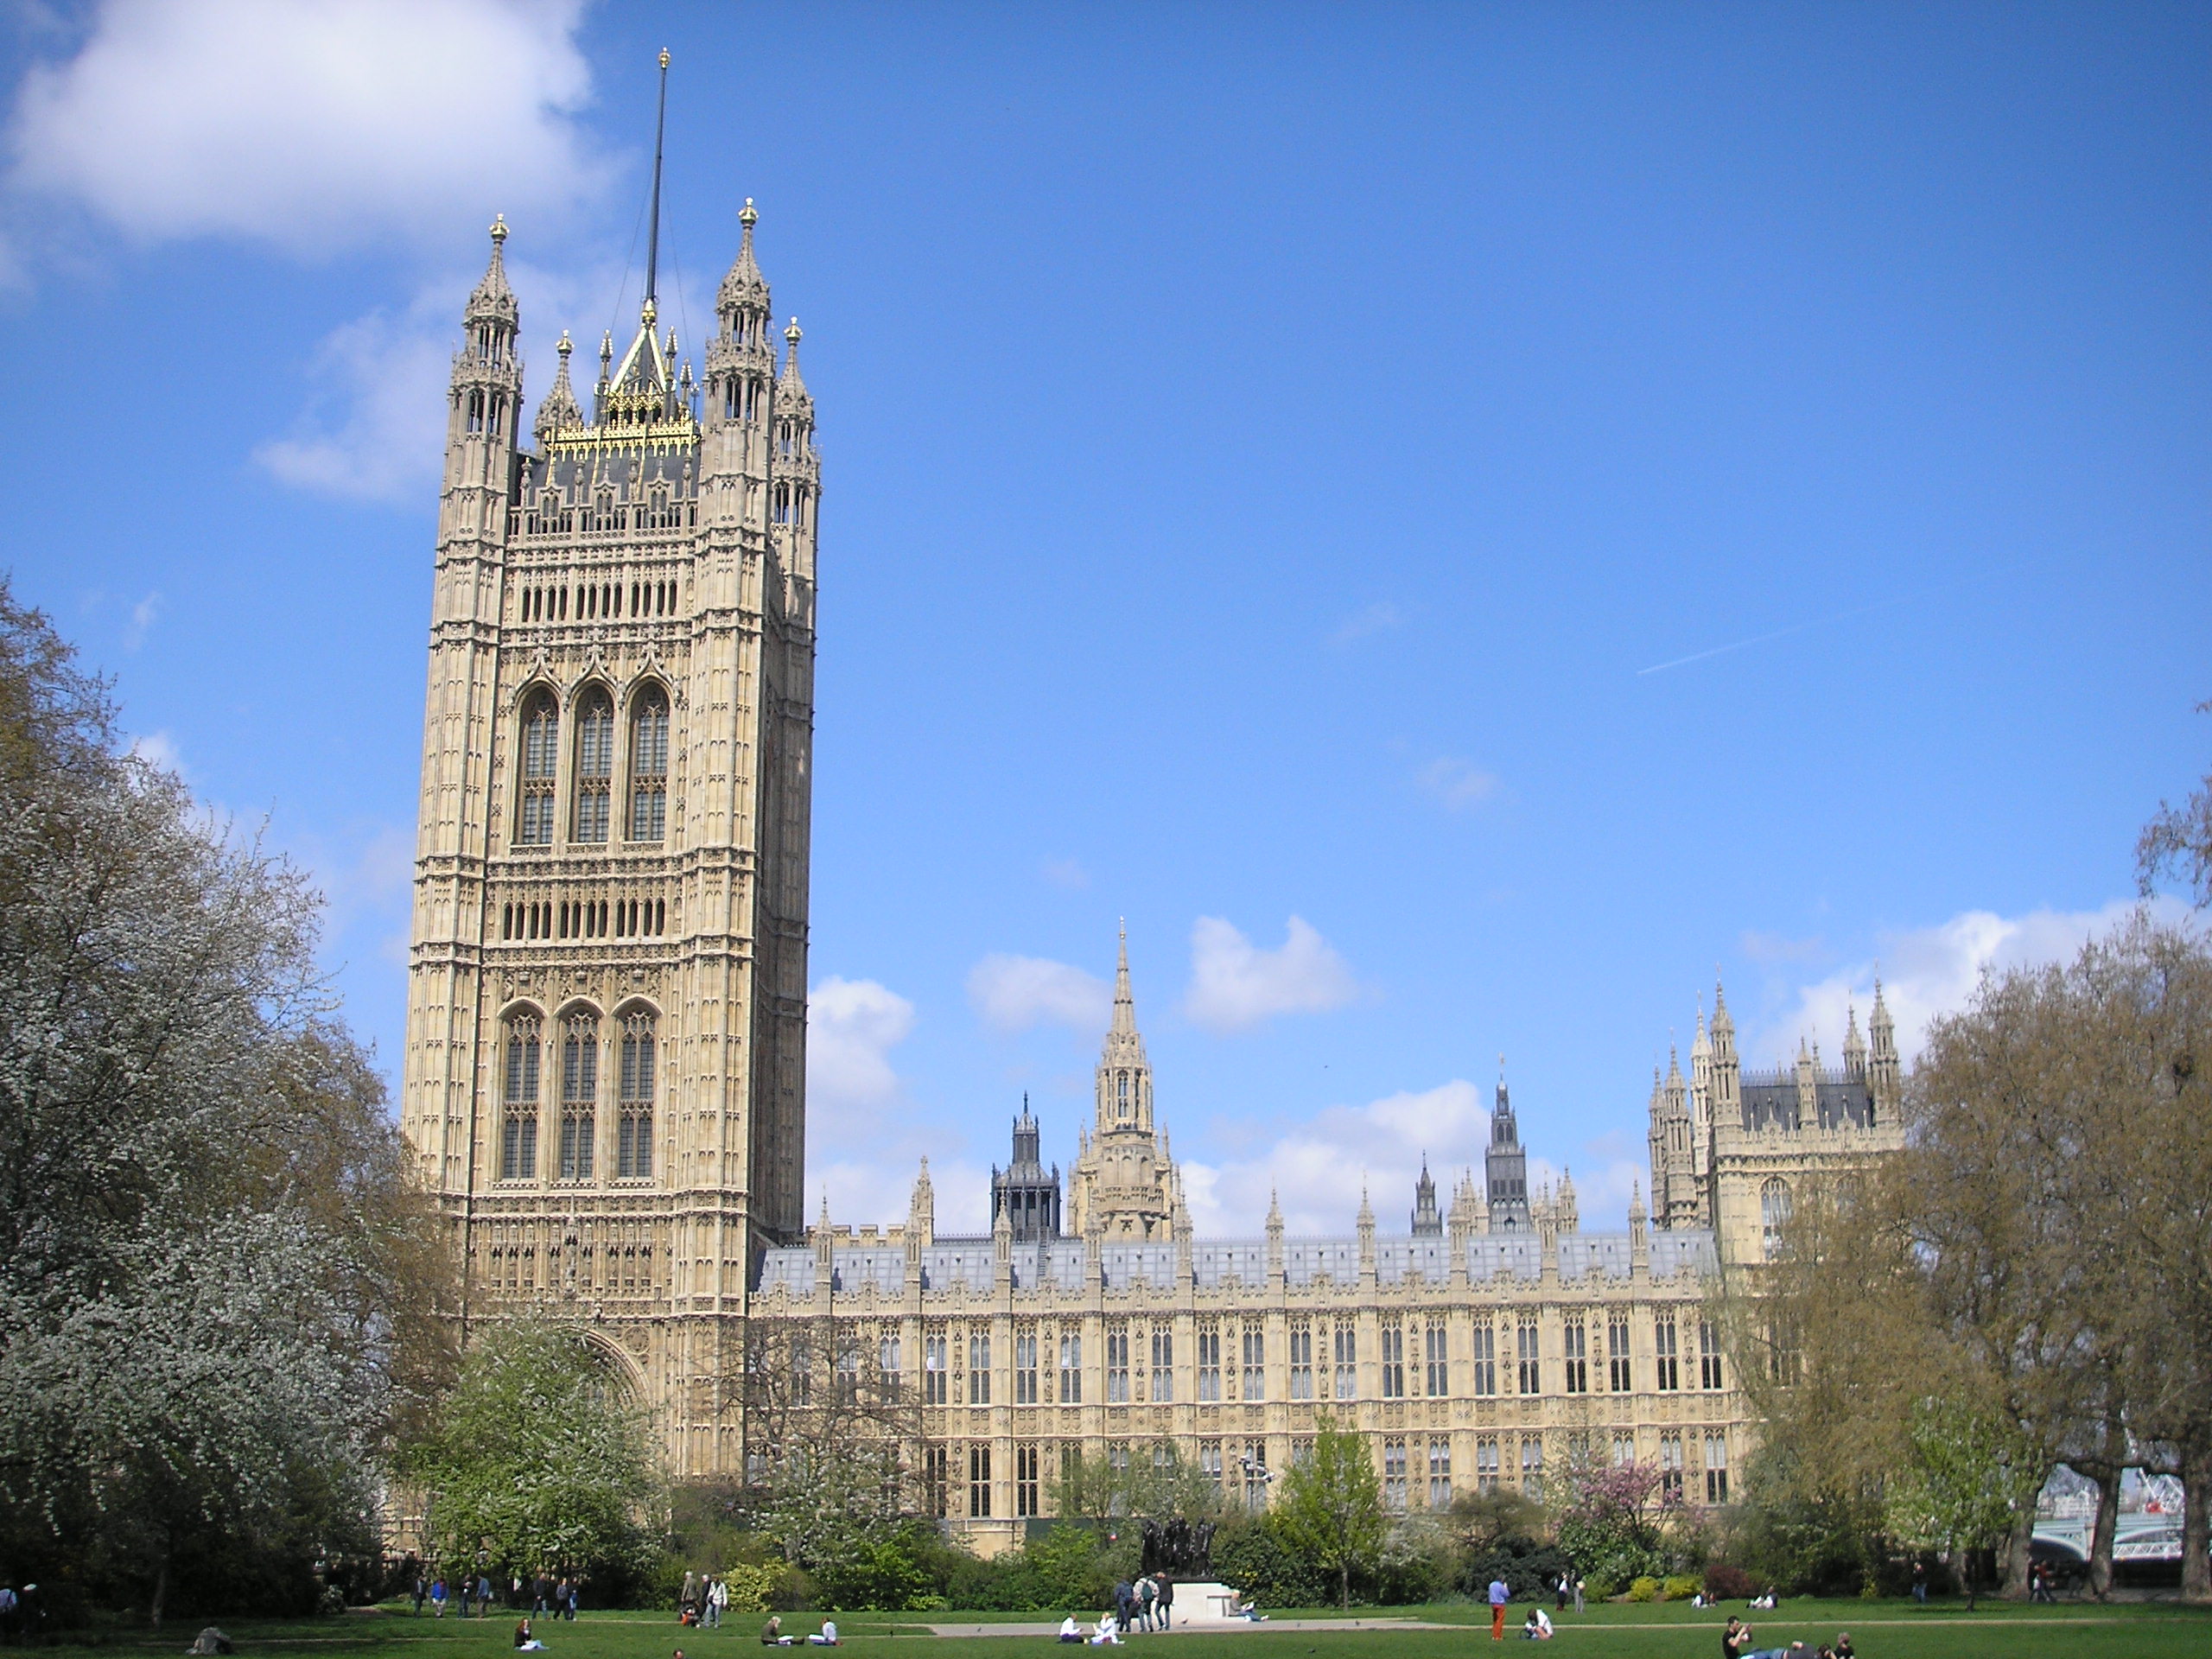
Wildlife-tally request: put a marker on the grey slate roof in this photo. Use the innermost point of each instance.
(1243, 1261)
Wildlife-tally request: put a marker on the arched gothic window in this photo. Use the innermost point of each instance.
(649, 766)
(633, 1156)
(1123, 1109)
(518, 1125)
(579, 1095)
(1774, 1214)
(595, 766)
(540, 726)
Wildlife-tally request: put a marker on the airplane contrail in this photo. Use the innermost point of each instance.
(1762, 638)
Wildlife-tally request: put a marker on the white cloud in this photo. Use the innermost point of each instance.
(159, 749)
(1315, 1167)
(1014, 993)
(852, 1025)
(1459, 784)
(1929, 971)
(312, 125)
(1065, 873)
(1235, 985)
(142, 621)
(385, 376)
(1379, 617)
(374, 428)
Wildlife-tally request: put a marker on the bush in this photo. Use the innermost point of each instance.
(1725, 1581)
(1644, 1589)
(1677, 1586)
(1528, 1567)
(1250, 1558)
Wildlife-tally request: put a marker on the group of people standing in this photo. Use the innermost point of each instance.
(1145, 1603)
(555, 1597)
(702, 1601)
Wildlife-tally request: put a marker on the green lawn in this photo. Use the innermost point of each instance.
(1884, 1629)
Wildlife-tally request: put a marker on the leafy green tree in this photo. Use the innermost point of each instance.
(538, 1462)
(1970, 1475)
(1328, 1508)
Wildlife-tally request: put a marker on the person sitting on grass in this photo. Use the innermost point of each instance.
(1539, 1627)
(772, 1633)
(1069, 1630)
(525, 1641)
(1106, 1632)
(827, 1638)
(1843, 1647)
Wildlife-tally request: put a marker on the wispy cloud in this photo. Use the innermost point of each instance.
(142, 621)
(1778, 948)
(1379, 617)
(1014, 993)
(1066, 872)
(1235, 985)
(1461, 786)
(1779, 634)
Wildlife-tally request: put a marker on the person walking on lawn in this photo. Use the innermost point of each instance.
(1499, 1595)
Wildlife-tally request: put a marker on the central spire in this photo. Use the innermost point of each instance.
(653, 236)
(1125, 1005)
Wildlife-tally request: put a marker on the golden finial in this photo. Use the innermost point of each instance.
(663, 57)
(747, 215)
(565, 346)
(791, 334)
(498, 227)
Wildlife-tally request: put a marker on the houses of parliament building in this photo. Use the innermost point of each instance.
(605, 1079)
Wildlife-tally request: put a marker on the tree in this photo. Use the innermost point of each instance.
(1330, 1505)
(2179, 842)
(217, 1293)
(834, 1447)
(1609, 1515)
(1971, 1476)
(538, 1462)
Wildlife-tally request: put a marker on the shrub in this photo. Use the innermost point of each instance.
(1677, 1586)
(1645, 1589)
(751, 1586)
(1249, 1557)
(1725, 1581)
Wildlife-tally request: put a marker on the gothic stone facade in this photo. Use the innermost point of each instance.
(605, 1058)
(606, 1013)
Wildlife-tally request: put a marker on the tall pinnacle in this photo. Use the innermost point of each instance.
(652, 237)
(1125, 1005)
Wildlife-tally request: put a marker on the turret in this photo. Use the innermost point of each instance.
(558, 411)
(1884, 1076)
(484, 401)
(1854, 1048)
(795, 480)
(1565, 1216)
(1427, 1220)
(741, 370)
(1727, 1071)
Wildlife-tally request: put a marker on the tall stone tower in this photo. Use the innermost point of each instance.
(1125, 1184)
(606, 1014)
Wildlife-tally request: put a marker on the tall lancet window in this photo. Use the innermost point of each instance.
(1124, 1110)
(541, 740)
(633, 1154)
(518, 1121)
(595, 766)
(649, 766)
(1774, 1215)
(579, 1095)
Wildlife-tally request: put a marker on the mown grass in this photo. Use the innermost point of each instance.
(1882, 1629)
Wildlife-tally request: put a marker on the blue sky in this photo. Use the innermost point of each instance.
(1456, 522)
